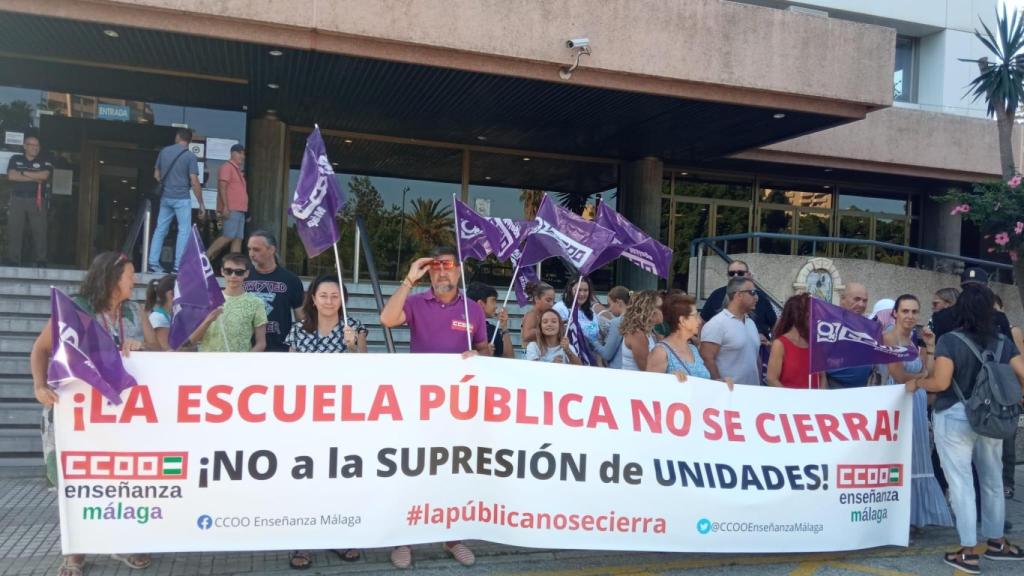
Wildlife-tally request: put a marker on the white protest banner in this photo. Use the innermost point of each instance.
(217, 452)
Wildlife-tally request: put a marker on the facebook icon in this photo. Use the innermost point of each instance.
(204, 522)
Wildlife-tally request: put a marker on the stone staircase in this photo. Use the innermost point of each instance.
(25, 307)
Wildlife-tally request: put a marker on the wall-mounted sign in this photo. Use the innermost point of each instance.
(197, 148)
(483, 206)
(219, 148)
(14, 138)
(115, 112)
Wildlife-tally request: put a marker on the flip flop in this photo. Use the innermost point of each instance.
(345, 555)
(133, 561)
(300, 560)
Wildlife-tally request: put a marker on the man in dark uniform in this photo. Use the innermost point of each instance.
(30, 175)
(764, 316)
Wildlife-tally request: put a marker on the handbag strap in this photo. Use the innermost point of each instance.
(163, 175)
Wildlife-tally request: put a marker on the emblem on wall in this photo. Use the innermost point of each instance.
(821, 279)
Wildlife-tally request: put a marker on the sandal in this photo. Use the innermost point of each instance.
(961, 560)
(133, 561)
(462, 554)
(71, 566)
(1002, 550)
(300, 559)
(401, 557)
(1008, 492)
(349, 555)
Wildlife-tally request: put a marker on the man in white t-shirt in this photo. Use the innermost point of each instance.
(729, 342)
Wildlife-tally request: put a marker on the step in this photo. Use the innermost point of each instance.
(22, 325)
(17, 343)
(21, 288)
(13, 306)
(11, 365)
(18, 389)
(23, 442)
(22, 466)
(20, 414)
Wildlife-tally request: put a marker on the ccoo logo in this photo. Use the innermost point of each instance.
(204, 522)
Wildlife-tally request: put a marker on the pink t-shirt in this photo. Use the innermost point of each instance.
(234, 181)
(435, 327)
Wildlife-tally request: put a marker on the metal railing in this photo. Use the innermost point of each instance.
(712, 244)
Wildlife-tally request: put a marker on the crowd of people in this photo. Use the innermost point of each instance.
(267, 309)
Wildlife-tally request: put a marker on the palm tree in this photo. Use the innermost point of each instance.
(430, 224)
(531, 199)
(1001, 83)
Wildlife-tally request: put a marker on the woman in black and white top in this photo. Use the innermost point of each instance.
(321, 331)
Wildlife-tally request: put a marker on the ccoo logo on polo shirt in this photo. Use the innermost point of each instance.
(460, 326)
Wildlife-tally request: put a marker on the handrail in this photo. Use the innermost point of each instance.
(711, 242)
(831, 240)
(371, 266)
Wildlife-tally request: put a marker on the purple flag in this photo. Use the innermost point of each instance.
(526, 275)
(507, 234)
(474, 231)
(84, 350)
(842, 339)
(318, 198)
(637, 246)
(196, 292)
(559, 232)
(577, 340)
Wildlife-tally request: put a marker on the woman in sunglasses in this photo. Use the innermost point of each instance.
(240, 325)
(106, 293)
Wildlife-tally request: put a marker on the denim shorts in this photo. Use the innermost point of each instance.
(234, 225)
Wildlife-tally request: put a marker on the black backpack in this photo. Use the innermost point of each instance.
(994, 406)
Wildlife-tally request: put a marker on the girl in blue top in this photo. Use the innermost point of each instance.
(676, 354)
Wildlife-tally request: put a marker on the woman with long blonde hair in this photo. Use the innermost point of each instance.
(637, 328)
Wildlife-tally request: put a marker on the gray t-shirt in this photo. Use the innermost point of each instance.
(175, 178)
(739, 345)
(966, 365)
(533, 353)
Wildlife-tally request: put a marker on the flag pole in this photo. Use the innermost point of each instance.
(341, 285)
(462, 272)
(575, 297)
(504, 304)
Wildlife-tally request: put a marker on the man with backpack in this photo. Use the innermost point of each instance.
(177, 171)
(979, 378)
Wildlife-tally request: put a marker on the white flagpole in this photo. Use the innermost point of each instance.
(341, 282)
(504, 305)
(462, 271)
(575, 297)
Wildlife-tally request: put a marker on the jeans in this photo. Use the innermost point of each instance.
(956, 441)
(171, 208)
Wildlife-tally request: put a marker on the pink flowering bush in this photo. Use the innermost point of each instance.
(997, 209)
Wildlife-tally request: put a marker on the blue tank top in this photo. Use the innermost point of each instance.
(677, 364)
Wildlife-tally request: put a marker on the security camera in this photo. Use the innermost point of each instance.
(577, 43)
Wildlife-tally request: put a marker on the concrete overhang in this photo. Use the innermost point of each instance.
(902, 141)
(708, 50)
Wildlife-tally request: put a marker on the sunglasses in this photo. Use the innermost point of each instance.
(751, 292)
(234, 271)
(442, 264)
(734, 273)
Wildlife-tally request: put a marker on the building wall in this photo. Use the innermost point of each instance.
(777, 274)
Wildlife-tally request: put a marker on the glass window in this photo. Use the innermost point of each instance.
(893, 231)
(877, 204)
(813, 224)
(697, 186)
(853, 227)
(732, 220)
(692, 221)
(800, 195)
(776, 222)
(903, 88)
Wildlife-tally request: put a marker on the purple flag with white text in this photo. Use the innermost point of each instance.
(474, 231)
(843, 339)
(636, 245)
(318, 198)
(527, 274)
(561, 233)
(578, 341)
(507, 234)
(84, 350)
(196, 292)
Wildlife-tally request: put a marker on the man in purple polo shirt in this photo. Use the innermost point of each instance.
(437, 324)
(436, 317)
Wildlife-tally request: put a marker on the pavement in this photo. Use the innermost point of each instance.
(30, 545)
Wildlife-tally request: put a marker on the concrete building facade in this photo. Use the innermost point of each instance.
(835, 119)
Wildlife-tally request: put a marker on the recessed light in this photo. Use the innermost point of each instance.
(828, 169)
(275, 53)
(779, 116)
(101, 162)
(827, 186)
(487, 177)
(124, 180)
(348, 141)
(334, 163)
(111, 33)
(684, 173)
(481, 138)
(133, 187)
(271, 111)
(526, 158)
(273, 86)
(245, 108)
